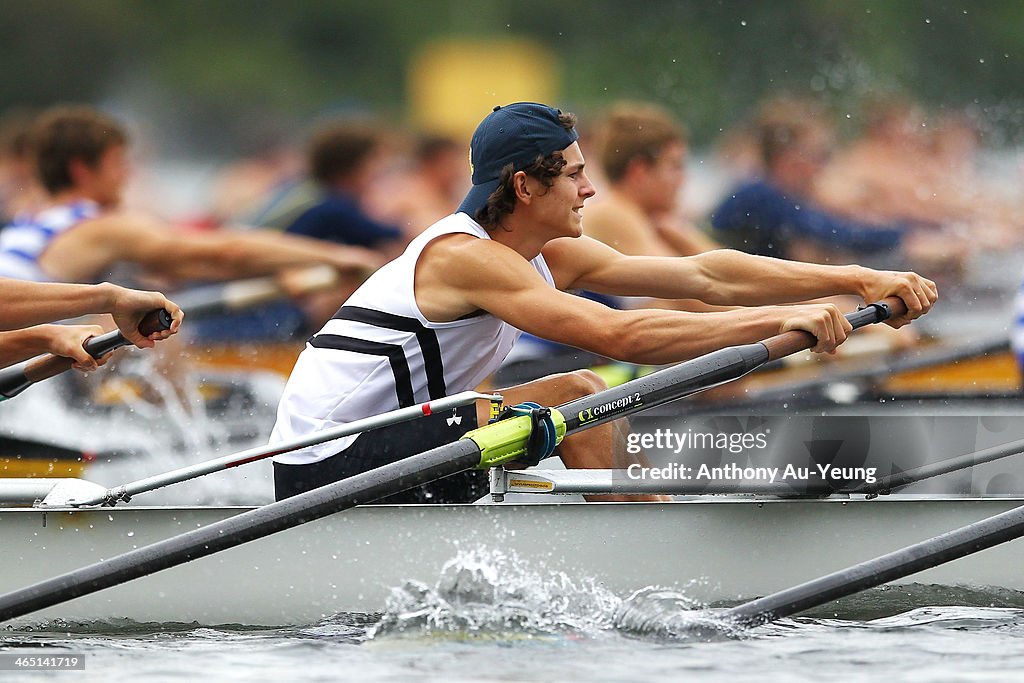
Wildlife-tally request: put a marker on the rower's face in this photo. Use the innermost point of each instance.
(559, 206)
(808, 157)
(665, 177)
(109, 176)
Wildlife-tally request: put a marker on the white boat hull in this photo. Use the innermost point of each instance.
(711, 549)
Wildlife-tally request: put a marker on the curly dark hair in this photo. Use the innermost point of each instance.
(544, 168)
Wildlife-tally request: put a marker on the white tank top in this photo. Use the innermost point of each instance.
(380, 353)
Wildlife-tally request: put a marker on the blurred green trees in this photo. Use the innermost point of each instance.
(227, 63)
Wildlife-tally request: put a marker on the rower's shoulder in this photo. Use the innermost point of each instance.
(613, 209)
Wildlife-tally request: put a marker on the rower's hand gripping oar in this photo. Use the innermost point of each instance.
(17, 378)
(489, 446)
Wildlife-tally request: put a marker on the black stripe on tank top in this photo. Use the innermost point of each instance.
(427, 338)
(394, 353)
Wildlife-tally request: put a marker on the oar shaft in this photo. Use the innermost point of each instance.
(215, 299)
(126, 491)
(662, 386)
(936, 469)
(953, 545)
(17, 378)
(363, 488)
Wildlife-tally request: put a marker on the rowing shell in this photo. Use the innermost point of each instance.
(712, 549)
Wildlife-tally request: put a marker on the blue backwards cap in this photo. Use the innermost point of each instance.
(517, 134)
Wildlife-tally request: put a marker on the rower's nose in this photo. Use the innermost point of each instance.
(587, 188)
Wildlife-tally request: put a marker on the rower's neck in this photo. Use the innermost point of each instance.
(517, 236)
(71, 196)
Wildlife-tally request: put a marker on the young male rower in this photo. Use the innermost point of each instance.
(440, 318)
(81, 159)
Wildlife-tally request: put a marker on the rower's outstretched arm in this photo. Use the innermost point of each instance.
(728, 277)
(24, 304)
(489, 276)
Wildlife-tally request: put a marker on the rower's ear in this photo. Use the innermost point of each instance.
(521, 186)
(78, 170)
(637, 168)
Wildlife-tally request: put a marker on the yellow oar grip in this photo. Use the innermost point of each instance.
(504, 441)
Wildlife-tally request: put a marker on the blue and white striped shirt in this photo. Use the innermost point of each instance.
(23, 242)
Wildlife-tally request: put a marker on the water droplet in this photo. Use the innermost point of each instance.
(743, 23)
(130, 534)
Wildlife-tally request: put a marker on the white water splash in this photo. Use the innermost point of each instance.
(483, 591)
(154, 428)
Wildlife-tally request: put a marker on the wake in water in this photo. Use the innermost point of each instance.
(667, 615)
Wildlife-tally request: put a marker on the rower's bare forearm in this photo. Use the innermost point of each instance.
(735, 278)
(33, 303)
(724, 277)
(19, 345)
(656, 337)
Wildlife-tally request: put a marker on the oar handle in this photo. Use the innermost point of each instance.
(794, 341)
(217, 299)
(17, 378)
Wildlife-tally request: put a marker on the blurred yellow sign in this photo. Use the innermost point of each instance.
(454, 83)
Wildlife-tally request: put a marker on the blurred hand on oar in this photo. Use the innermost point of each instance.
(320, 290)
(299, 282)
(356, 261)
